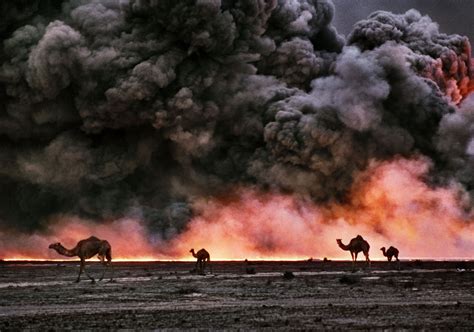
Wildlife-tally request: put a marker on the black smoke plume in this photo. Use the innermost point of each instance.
(136, 108)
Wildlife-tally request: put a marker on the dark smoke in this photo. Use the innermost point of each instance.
(453, 17)
(118, 108)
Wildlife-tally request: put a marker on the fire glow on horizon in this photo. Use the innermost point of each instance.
(389, 205)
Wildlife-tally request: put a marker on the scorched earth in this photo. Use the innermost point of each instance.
(245, 295)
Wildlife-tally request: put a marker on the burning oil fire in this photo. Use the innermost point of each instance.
(259, 95)
(389, 205)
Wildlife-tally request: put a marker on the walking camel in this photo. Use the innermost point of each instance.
(86, 249)
(202, 256)
(355, 246)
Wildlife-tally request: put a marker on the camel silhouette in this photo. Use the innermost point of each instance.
(86, 249)
(390, 253)
(355, 246)
(202, 256)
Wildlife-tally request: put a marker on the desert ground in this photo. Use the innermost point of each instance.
(239, 295)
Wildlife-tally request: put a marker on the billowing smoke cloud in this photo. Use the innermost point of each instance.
(444, 59)
(451, 16)
(139, 109)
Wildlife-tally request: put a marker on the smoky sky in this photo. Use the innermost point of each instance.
(453, 16)
(138, 108)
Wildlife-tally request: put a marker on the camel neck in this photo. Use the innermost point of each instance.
(343, 246)
(66, 252)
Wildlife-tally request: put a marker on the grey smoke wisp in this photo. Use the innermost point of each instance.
(113, 107)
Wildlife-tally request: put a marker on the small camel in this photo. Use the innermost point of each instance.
(390, 253)
(202, 256)
(86, 249)
(355, 246)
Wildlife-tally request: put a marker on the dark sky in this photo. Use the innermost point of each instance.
(453, 16)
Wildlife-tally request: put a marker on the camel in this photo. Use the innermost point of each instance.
(390, 253)
(202, 256)
(355, 246)
(86, 249)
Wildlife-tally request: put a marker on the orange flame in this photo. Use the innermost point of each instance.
(128, 237)
(453, 72)
(389, 205)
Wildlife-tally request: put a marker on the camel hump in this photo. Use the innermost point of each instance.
(203, 253)
(359, 237)
(90, 240)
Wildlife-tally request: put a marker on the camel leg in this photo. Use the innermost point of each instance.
(105, 267)
(107, 264)
(81, 268)
(201, 266)
(111, 272)
(87, 274)
(108, 255)
(353, 261)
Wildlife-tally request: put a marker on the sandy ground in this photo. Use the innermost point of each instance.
(239, 295)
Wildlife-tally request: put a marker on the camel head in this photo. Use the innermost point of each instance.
(383, 248)
(338, 240)
(55, 245)
(191, 251)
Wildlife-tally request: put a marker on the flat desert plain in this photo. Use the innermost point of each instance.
(239, 295)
